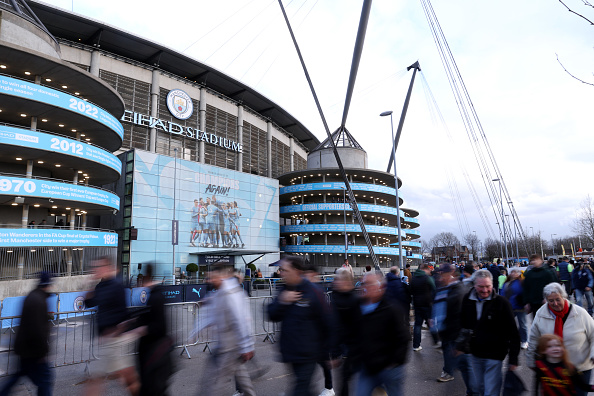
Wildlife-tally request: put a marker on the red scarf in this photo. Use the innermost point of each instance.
(559, 319)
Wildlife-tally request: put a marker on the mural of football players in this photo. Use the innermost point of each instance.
(194, 228)
(212, 221)
(234, 215)
(226, 223)
(203, 240)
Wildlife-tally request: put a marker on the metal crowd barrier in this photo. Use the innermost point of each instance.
(73, 335)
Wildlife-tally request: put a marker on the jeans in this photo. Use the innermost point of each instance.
(460, 362)
(303, 374)
(488, 375)
(38, 372)
(422, 314)
(392, 379)
(579, 299)
(586, 377)
(521, 316)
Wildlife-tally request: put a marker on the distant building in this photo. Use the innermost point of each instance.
(453, 253)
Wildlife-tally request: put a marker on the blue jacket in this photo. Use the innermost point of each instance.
(306, 325)
(513, 292)
(398, 291)
(582, 278)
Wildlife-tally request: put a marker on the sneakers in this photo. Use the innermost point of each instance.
(445, 377)
(417, 349)
(524, 345)
(327, 392)
(437, 345)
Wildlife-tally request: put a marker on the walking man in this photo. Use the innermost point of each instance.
(534, 282)
(228, 312)
(32, 341)
(306, 336)
(489, 333)
(382, 340)
(583, 282)
(422, 288)
(564, 269)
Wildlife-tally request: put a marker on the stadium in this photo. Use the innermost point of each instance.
(113, 144)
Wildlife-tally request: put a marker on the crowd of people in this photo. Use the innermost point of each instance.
(477, 315)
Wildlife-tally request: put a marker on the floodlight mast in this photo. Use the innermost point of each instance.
(354, 67)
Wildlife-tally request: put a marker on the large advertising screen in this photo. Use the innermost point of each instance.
(217, 209)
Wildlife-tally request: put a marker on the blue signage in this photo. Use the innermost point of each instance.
(310, 228)
(58, 144)
(39, 93)
(49, 189)
(339, 249)
(56, 237)
(337, 186)
(339, 207)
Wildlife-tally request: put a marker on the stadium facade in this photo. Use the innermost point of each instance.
(117, 145)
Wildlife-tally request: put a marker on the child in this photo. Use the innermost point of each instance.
(554, 373)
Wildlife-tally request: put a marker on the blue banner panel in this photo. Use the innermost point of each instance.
(140, 296)
(337, 186)
(12, 306)
(53, 237)
(58, 144)
(310, 228)
(50, 189)
(74, 301)
(173, 294)
(39, 93)
(196, 292)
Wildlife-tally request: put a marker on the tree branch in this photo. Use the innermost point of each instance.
(578, 14)
(567, 71)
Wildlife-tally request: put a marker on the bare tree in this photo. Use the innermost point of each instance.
(492, 248)
(425, 247)
(473, 243)
(584, 222)
(444, 239)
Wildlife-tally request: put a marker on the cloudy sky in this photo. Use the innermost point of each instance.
(538, 119)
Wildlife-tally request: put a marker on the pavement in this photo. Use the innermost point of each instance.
(422, 371)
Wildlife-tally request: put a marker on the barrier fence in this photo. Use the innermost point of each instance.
(74, 340)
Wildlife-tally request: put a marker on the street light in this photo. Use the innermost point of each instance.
(475, 238)
(533, 240)
(400, 261)
(553, 242)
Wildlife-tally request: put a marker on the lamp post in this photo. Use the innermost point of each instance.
(533, 239)
(400, 261)
(553, 243)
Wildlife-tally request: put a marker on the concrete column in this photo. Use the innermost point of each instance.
(33, 123)
(29, 169)
(202, 125)
(75, 178)
(25, 217)
(95, 63)
(37, 79)
(269, 147)
(291, 154)
(240, 137)
(69, 262)
(155, 83)
(72, 218)
(84, 221)
(21, 266)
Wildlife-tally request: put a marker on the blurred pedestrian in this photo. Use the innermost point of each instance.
(115, 337)
(32, 341)
(382, 340)
(489, 333)
(154, 349)
(583, 283)
(422, 288)
(398, 291)
(407, 273)
(446, 315)
(229, 314)
(348, 267)
(534, 282)
(346, 304)
(564, 270)
(513, 290)
(306, 327)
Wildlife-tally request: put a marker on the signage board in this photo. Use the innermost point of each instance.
(58, 144)
(172, 294)
(31, 91)
(25, 237)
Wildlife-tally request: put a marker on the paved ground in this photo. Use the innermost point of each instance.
(422, 370)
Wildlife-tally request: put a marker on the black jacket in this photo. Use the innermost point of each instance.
(422, 288)
(534, 282)
(383, 338)
(32, 339)
(345, 305)
(110, 299)
(495, 334)
(398, 291)
(306, 328)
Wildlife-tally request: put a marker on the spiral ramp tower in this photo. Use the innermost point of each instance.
(315, 217)
(58, 130)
